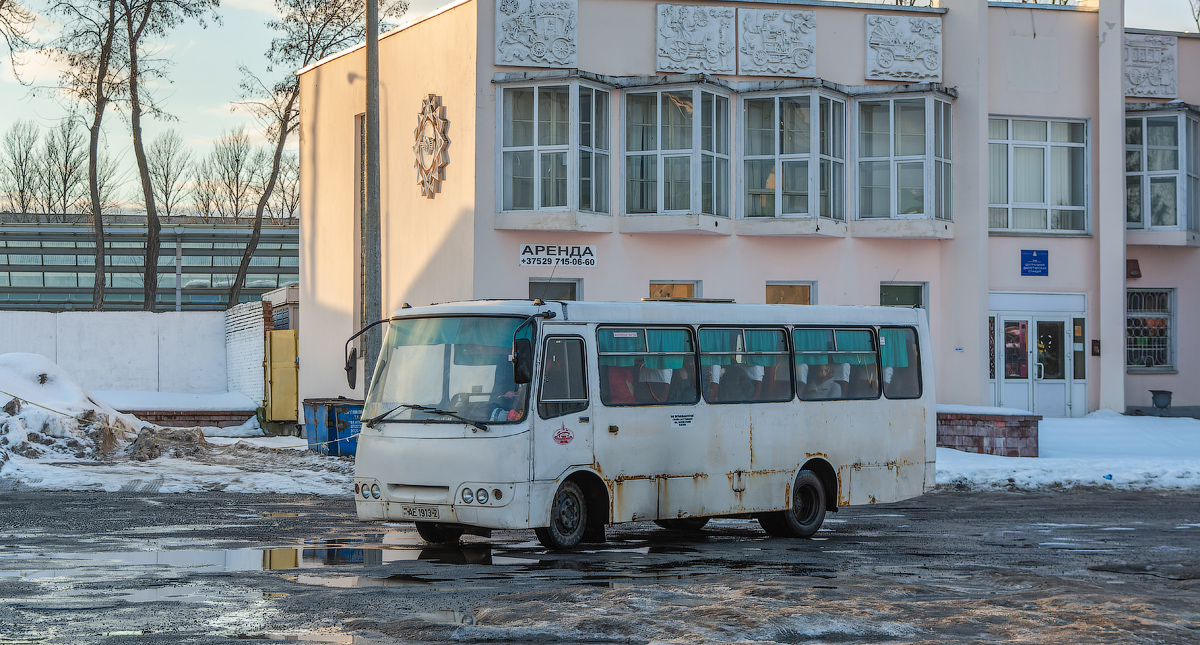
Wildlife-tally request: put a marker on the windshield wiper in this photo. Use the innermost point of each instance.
(424, 408)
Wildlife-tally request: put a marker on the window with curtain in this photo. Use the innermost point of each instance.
(1149, 325)
(836, 364)
(554, 148)
(1162, 182)
(1038, 175)
(901, 362)
(904, 158)
(744, 365)
(677, 152)
(646, 366)
(791, 145)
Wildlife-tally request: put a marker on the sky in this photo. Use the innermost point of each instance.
(205, 63)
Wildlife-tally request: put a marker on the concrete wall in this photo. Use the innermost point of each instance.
(167, 352)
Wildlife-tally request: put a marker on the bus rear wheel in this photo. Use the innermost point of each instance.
(683, 523)
(568, 519)
(804, 518)
(435, 534)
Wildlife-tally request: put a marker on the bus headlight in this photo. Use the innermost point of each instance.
(375, 491)
(482, 495)
(468, 496)
(366, 492)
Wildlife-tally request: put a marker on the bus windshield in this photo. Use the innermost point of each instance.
(447, 369)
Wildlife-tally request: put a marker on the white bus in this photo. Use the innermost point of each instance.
(566, 417)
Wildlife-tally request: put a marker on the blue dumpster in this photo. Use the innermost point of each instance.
(332, 425)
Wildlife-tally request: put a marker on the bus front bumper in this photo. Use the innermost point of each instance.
(514, 514)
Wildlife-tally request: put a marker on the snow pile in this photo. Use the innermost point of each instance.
(76, 425)
(81, 443)
(1104, 449)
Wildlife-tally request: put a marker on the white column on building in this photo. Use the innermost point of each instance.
(1110, 202)
(963, 375)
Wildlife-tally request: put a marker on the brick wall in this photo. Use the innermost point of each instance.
(203, 419)
(989, 434)
(245, 349)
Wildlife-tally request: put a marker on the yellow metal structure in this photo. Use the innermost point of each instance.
(282, 376)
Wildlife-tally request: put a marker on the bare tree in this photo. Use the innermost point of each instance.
(203, 191)
(108, 181)
(1194, 5)
(145, 20)
(168, 160)
(88, 46)
(285, 200)
(308, 30)
(63, 170)
(16, 21)
(18, 166)
(231, 159)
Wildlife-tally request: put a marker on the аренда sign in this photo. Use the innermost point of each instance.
(563, 255)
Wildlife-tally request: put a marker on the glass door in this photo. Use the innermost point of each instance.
(1051, 373)
(1035, 365)
(1016, 387)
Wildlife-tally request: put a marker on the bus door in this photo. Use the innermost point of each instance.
(562, 434)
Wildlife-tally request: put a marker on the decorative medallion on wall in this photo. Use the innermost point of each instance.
(1150, 67)
(904, 48)
(777, 43)
(536, 33)
(430, 147)
(695, 39)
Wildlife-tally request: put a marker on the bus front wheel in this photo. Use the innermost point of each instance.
(804, 518)
(568, 519)
(435, 534)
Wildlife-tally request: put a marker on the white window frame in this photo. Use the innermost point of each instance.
(696, 152)
(1047, 147)
(924, 286)
(1170, 316)
(816, 156)
(937, 171)
(578, 282)
(1186, 175)
(573, 149)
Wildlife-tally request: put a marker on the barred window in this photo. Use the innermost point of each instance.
(1149, 338)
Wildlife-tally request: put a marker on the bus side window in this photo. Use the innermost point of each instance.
(857, 363)
(744, 365)
(646, 366)
(563, 386)
(901, 363)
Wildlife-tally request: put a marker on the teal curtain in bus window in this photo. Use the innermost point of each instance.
(620, 340)
(764, 340)
(667, 340)
(893, 346)
(855, 340)
(812, 340)
(717, 340)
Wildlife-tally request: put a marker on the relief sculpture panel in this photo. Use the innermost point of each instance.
(774, 42)
(695, 39)
(1150, 66)
(904, 48)
(536, 33)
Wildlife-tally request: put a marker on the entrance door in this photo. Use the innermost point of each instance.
(1035, 374)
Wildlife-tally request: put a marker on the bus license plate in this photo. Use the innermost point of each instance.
(420, 512)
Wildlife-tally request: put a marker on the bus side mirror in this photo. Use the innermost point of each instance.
(522, 361)
(352, 367)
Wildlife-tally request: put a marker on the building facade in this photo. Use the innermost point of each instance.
(1026, 173)
(50, 266)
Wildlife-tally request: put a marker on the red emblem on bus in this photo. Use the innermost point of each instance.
(563, 435)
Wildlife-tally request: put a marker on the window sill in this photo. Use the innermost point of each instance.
(1162, 238)
(1136, 371)
(1007, 233)
(577, 221)
(690, 223)
(790, 226)
(916, 229)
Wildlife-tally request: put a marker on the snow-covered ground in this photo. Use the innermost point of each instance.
(133, 400)
(82, 443)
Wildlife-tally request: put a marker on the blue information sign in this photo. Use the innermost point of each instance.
(1035, 262)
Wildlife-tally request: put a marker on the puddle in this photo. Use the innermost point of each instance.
(281, 515)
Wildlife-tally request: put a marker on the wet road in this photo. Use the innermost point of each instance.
(1066, 567)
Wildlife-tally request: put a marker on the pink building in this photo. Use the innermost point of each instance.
(1027, 173)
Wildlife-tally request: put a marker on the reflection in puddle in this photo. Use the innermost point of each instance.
(358, 582)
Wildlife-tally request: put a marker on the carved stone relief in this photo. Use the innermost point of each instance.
(904, 48)
(431, 145)
(774, 42)
(695, 39)
(536, 33)
(1150, 66)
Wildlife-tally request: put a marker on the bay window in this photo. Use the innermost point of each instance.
(1037, 175)
(904, 158)
(677, 152)
(1162, 182)
(554, 148)
(792, 143)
